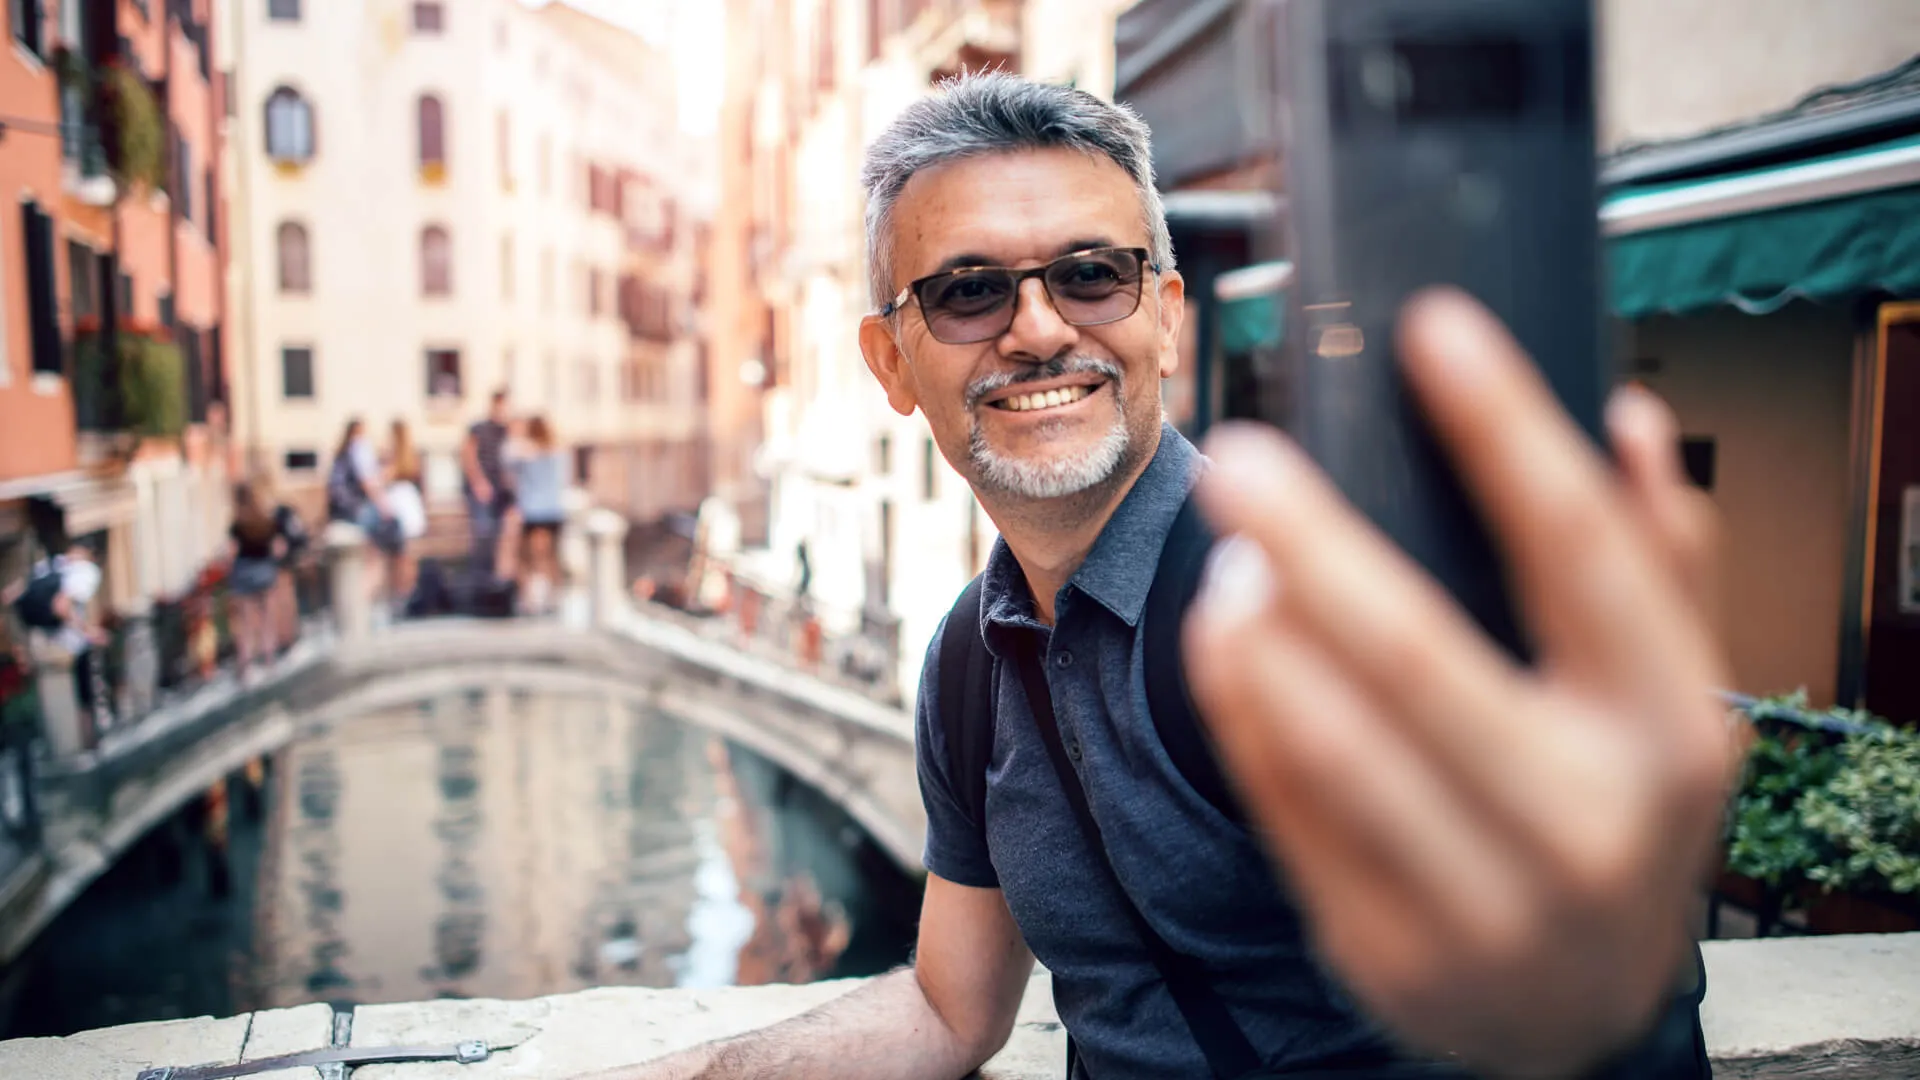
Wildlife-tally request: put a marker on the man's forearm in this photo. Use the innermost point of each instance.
(885, 1030)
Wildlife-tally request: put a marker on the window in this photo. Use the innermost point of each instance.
(429, 17)
(181, 187)
(283, 10)
(83, 282)
(546, 280)
(302, 461)
(296, 371)
(433, 137)
(546, 164)
(589, 381)
(506, 267)
(436, 262)
(289, 127)
(207, 206)
(927, 471)
(593, 292)
(443, 374)
(43, 311)
(295, 265)
(550, 378)
(503, 133)
(507, 369)
(883, 455)
(29, 25)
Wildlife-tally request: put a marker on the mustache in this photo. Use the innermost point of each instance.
(980, 388)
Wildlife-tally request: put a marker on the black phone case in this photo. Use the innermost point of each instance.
(1429, 142)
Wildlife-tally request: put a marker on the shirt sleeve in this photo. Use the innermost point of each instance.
(956, 844)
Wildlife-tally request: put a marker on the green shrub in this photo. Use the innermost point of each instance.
(1835, 809)
(153, 387)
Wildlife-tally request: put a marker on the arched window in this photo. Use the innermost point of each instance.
(289, 126)
(436, 262)
(433, 133)
(296, 266)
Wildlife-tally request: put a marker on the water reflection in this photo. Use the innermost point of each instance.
(494, 844)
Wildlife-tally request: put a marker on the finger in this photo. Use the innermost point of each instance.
(1595, 602)
(1437, 678)
(1349, 807)
(1682, 520)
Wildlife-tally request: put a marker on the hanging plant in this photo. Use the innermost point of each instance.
(153, 388)
(139, 149)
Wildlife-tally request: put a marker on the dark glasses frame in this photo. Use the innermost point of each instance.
(916, 289)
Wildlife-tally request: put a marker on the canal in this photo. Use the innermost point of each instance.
(487, 844)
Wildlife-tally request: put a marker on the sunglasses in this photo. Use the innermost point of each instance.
(978, 303)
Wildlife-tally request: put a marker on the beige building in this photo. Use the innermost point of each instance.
(1765, 182)
(435, 200)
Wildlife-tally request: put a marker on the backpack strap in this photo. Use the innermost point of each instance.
(965, 697)
(1176, 580)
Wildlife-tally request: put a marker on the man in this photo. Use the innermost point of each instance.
(1488, 861)
(483, 468)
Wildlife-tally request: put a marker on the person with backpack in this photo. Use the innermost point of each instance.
(1412, 856)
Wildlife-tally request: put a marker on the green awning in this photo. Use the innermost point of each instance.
(1250, 307)
(1758, 262)
(1824, 229)
(1251, 322)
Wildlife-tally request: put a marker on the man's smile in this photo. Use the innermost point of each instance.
(1053, 394)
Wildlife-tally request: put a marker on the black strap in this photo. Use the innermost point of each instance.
(1227, 1050)
(966, 703)
(1176, 579)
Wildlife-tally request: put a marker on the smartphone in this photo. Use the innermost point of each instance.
(1433, 142)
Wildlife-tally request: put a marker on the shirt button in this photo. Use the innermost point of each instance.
(1073, 749)
(1063, 658)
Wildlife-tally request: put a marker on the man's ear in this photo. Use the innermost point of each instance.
(888, 363)
(1173, 314)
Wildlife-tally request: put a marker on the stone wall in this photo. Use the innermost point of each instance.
(1835, 1008)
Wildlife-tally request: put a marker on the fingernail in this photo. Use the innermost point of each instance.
(1238, 583)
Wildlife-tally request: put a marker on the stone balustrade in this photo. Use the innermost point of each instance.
(1836, 1008)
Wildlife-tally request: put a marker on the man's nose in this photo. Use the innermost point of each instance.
(1038, 333)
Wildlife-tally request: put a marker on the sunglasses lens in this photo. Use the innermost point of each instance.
(1095, 287)
(970, 306)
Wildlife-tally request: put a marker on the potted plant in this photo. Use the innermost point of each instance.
(1827, 820)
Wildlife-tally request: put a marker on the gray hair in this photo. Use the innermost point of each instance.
(993, 113)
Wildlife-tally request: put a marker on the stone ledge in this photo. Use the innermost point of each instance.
(1834, 1008)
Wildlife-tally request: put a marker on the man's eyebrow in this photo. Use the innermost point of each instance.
(971, 260)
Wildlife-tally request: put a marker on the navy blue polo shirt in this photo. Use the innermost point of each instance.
(1200, 880)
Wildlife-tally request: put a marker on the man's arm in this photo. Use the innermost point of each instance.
(937, 1020)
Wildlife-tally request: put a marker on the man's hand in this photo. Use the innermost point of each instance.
(1498, 860)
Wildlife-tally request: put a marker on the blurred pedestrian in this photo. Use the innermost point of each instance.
(488, 488)
(257, 548)
(357, 494)
(282, 601)
(404, 484)
(539, 470)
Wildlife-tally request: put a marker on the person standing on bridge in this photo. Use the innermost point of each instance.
(1485, 865)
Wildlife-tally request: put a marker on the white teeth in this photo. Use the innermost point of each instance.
(1047, 399)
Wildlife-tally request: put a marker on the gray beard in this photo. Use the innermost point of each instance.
(1022, 479)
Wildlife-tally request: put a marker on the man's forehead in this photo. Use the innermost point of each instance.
(1014, 207)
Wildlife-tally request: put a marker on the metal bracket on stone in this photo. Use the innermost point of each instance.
(465, 1053)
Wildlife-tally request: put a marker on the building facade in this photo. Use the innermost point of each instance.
(113, 326)
(443, 199)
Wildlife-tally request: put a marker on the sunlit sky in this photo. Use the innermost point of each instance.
(695, 31)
